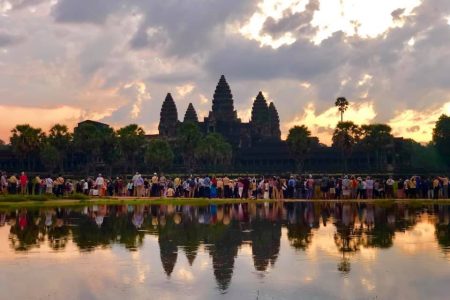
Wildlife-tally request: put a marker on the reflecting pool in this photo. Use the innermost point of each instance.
(241, 251)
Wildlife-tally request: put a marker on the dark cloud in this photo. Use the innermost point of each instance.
(397, 14)
(92, 11)
(7, 39)
(297, 24)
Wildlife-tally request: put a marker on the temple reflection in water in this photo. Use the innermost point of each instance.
(222, 230)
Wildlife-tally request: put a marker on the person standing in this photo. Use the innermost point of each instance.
(369, 187)
(444, 181)
(436, 184)
(390, 188)
(226, 187)
(48, 185)
(139, 186)
(3, 184)
(23, 179)
(155, 186)
(99, 183)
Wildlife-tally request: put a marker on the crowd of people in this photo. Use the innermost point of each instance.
(244, 187)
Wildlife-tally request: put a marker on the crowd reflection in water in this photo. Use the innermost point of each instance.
(222, 229)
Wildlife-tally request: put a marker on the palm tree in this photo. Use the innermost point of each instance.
(345, 137)
(131, 142)
(60, 139)
(214, 151)
(26, 142)
(342, 105)
(299, 141)
(375, 139)
(159, 155)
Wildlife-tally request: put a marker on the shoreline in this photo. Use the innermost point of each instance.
(197, 201)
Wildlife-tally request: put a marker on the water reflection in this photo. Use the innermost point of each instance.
(223, 230)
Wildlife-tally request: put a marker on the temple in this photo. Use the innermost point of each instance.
(257, 144)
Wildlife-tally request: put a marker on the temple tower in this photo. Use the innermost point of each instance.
(168, 118)
(223, 107)
(260, 126)
(274, 122)
(190, 115)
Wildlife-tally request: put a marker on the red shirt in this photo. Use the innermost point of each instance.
(23, 179)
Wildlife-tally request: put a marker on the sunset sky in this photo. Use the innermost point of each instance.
(114, 60)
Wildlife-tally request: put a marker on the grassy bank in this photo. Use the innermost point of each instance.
(17, 201)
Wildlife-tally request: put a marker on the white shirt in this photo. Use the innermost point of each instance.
(99, 181)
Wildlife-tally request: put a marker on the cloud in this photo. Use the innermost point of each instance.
(83, 54)
(322, 124)
(7, 39)
(37, 117)
(418, 124)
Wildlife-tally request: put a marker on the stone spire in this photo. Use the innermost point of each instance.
(191, 114)
(274, 121)
(259, 123)
(260, 110)
(168, 118)
(223, 107)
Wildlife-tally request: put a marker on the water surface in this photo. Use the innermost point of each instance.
(248, 251)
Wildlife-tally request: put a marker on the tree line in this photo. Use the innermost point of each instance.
(91, 147)
(376, 140)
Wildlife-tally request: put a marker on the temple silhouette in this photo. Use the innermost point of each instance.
(257, 144)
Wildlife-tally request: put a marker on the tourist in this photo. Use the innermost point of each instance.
(390, 188)
(170, 193)
(138, 184)
(3, 183)
(59, 184)
(436, 187)
(445, 185)
(325, 187)
(291, 187)
(48, 185)
(220, 188)
(369, 187)
(207, 187)
(99, 182)
(332, 188)
(23, 179)
(130, 188)
(155, 186)
(309, 184)
(412, 188)
(37, 185)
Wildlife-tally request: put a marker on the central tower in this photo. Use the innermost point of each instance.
(223, 106)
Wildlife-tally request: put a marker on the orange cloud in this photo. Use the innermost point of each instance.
(322, 125)
(417, 125)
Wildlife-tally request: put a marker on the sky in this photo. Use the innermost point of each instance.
(63, 61)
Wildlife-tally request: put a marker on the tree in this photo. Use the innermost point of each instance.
(342, 105)
(441, 137)
(96, 145)
(158, 155)
(131, 142)
(188, 138)
(345, 136)
(420, 158)
(299, 141)
(50, 157)
(375, 139)
(214, 151)
(26, 142)
(60, 139)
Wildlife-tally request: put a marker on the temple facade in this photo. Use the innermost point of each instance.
(257, 144)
